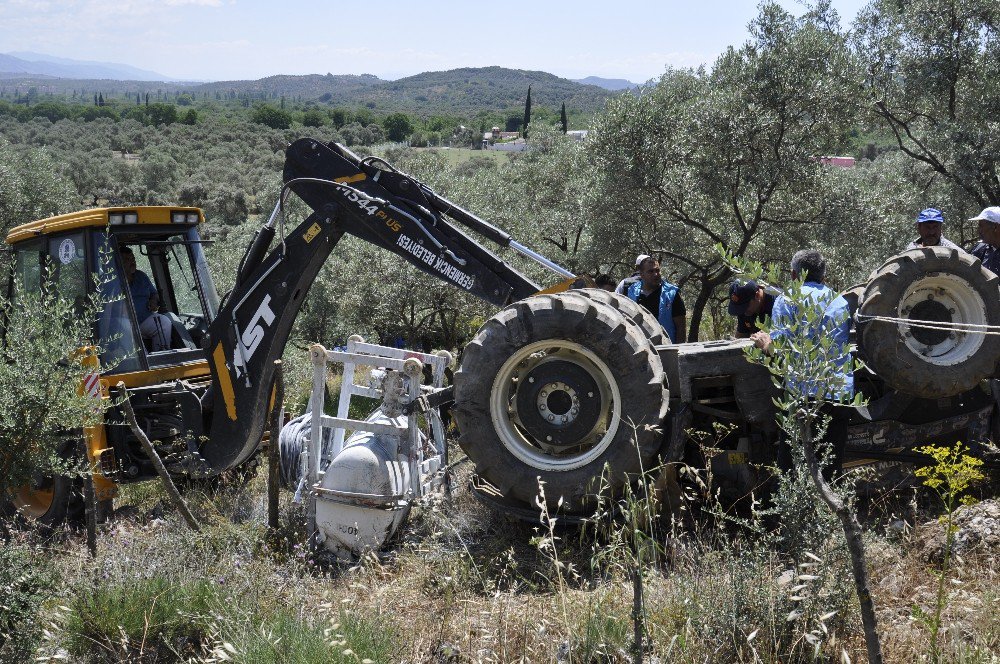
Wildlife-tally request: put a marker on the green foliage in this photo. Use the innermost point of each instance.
(272, 117)
(931, 76)
(25, 582)
(726, 156)
(397, 127)
(143, 616)
(314, 118)
(31, 186)
(40, 374)
(950, 476)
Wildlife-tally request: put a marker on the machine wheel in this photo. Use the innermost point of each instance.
(939, 285)
(47, 501)
(633, 311)
(855, 295)
(555, 387)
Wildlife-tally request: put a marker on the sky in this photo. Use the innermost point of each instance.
(248, 39)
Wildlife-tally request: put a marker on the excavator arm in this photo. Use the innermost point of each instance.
(366, 198)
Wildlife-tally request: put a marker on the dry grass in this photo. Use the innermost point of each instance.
(464, 584)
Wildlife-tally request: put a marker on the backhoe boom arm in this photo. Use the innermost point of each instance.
(366, 198)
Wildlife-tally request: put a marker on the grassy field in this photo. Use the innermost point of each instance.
(456, 156)
(464, 584)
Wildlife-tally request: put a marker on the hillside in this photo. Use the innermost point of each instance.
(309, 87)
(36, 64)
(613, 84)
(464, 91)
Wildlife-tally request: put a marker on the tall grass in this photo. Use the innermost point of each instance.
(465, 584)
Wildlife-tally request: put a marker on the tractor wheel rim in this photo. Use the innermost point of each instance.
(33, 503)
(942, 298)
(562, 396)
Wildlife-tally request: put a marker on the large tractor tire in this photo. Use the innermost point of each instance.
(47, 501)
(633, 311)
(937, 285)
(556, 388)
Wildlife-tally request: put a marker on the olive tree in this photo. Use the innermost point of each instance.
(932, 78)
(44, 408)
(725, 157)
(30, 187)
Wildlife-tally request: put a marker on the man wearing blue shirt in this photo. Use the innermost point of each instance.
(835, 324)
(153, 325)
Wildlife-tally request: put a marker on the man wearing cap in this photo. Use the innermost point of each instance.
(661, 298)
(622, 287)
(928, 225)
(988, 251)
(751, 305)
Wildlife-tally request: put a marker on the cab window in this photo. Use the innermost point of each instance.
(115, 327)
(167, 294)
(68, 256)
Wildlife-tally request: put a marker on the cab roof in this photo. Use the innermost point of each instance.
(99, 218)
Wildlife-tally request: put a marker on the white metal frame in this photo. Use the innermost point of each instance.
(425, 469)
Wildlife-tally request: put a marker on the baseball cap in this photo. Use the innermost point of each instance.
(640, 258)
(991, 214)
(930, 214)
(740, 297)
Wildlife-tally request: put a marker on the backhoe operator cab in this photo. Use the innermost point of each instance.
(148, 267)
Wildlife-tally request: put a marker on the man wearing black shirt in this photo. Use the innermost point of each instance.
(750, 304)
(988, 251)
(661, 298)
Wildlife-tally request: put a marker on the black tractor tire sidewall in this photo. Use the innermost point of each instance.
(617, 341)
(892, 360)
(634, 311)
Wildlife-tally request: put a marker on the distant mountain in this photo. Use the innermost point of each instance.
(613, 84)
(312, 87)
(459, 91)
(470, 89)
(38, 64)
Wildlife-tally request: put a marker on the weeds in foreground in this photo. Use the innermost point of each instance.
(25, 581)
(950, 476)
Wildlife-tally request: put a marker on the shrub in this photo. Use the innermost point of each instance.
(275, 118)
(24, 582)
(141, 618)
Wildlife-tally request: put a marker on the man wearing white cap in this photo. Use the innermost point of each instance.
(988, 251)
(622, 288)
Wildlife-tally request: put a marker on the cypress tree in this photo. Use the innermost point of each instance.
(527, 112)
(562, 117)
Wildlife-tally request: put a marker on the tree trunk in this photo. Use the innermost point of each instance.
(855, 545)
(707, 286)
(161, 470)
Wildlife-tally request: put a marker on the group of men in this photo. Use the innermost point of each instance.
(751, 304)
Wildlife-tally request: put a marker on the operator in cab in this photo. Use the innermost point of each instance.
(153, 326)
